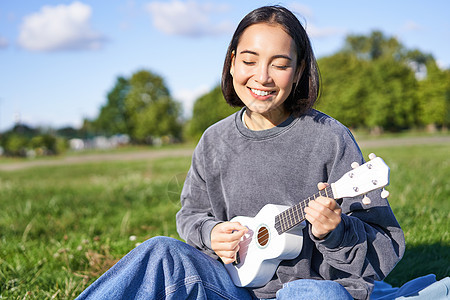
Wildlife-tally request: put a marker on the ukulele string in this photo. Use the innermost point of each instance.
(288, 220)
(263, 239)
(289, 216)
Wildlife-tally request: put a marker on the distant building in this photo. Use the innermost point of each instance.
(99, 142)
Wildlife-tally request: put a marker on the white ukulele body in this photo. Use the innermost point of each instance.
(266, 248)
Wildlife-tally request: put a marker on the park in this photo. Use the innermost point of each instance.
(64, 221)
(70, 209)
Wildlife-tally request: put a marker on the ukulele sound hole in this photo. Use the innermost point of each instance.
(263, 236)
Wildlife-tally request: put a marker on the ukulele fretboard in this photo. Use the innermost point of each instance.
(294, 215)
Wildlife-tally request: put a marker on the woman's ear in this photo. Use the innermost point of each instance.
(233, 59)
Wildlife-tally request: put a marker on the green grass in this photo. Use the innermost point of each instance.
(60, 227)
(420, 198)
(63, 226)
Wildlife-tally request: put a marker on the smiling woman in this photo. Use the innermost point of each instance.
(268, 156)
(290, 51)
(264, 74)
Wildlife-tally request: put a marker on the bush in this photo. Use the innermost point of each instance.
(15, 145)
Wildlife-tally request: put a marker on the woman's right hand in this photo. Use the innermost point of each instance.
(225, 238)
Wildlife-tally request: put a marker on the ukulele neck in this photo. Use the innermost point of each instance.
(294, 215)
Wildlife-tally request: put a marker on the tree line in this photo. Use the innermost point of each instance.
(376, 83)
(372, 83)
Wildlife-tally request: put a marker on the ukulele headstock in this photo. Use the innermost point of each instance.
(370, 176)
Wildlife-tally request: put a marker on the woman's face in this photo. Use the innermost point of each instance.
(264, 68)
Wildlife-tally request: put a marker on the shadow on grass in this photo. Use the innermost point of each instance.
(420, 260)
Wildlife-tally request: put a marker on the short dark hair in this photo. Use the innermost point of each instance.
(306, 90)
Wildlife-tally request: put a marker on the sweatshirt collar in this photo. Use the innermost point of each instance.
(262, 134)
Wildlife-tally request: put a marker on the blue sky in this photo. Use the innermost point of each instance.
(59, 59)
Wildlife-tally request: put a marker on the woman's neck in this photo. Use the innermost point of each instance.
(257, 121)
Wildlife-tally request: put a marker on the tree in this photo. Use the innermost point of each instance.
(434, 97)
(15, 144)
(141, 107)
(158, 119)
(374, 46)
(68, 132)
(391, 103)
(149, 109)
(112, 118)
(344, 88)
(208, 109)
(370, 83)
(23, 140)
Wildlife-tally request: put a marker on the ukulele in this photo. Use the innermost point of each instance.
(275, 233)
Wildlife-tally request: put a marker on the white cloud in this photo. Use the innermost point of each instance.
(188, 18)
(3, 42)
(188, 96)
(61, 27)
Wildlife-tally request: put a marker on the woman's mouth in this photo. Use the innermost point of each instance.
(260, 92)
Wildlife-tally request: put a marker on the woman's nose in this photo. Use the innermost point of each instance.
(262, 75)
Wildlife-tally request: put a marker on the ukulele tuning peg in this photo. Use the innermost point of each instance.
(384, 194)
(354, 165)
(366, 200)
(372, 156)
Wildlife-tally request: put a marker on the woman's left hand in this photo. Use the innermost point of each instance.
(323, 213)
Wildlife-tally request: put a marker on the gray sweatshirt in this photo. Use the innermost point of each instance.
(236, 171)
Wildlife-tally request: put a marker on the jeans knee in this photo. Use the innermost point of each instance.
(313, 289)
(160, 244)
(162, 241)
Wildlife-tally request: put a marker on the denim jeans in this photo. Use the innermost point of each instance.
(310, 289)
(165, 268)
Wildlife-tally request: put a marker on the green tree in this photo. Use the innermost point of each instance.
(158, 119)
(208, 109)
(344, 88)
(371, 84)
(47, 144)
(434, 92)
(15, 144)
(392, 100)
(374, 46)
(447, 99)
(149, 108)
(112, 118)
(140, 106)
(44, 142)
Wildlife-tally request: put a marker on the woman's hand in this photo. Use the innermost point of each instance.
(323, 213)
(225, 238)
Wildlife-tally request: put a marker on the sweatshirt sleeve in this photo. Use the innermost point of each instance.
(368, 242)
(195, 219)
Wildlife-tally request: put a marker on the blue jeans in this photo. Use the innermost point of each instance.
(165, 268)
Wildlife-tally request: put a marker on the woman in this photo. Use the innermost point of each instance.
(277, 150)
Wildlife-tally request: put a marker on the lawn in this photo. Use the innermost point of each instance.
(62, 226)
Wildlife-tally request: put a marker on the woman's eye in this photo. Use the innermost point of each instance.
(248, 63)
(281, 67)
